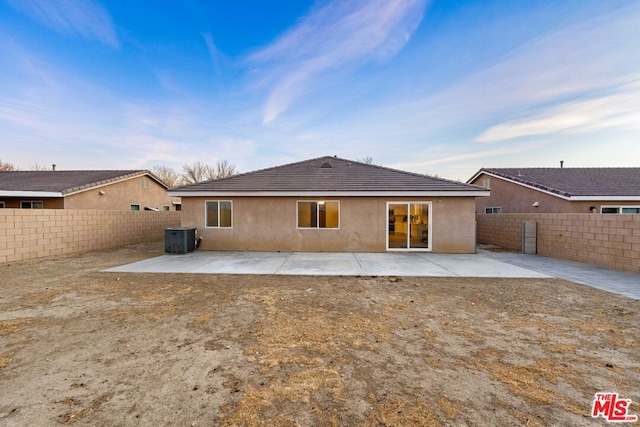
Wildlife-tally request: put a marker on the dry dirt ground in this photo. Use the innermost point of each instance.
(78, 346)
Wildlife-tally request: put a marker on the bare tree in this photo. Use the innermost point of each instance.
(167, 175)
(6, 166)
(368, 160)
(224, 169)
(38, 167)
(199, 171)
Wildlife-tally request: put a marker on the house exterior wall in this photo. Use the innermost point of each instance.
(269, 224)
(514, 198)
(140, 190)
(38, 233)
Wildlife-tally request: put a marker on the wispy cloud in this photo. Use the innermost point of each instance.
(338, 35)
(214, 52)
(84, 18)
(428, 163)
(620, 111)
(578, 61)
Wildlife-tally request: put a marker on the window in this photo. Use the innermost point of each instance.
(143, 183)
(630, 210)
(166, 208)
(134, 207)
(318, 214)
(492, 210)
(1, 205)
(218, 213)
(31, 204)
(620, 210)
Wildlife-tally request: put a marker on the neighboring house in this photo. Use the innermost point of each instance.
(101, 189)
(332, 204)
(559, 190)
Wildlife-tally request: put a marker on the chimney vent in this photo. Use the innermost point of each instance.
(53, 166)
(561, 164)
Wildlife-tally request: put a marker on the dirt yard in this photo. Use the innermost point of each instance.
(82, 347)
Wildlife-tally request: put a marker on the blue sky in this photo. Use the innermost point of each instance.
(437, 87)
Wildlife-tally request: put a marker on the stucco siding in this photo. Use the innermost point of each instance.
(142, 191)
(269, 224)
(454, 225)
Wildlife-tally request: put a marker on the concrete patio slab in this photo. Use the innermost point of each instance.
(606, 279)
(483, 264)
(333, 264)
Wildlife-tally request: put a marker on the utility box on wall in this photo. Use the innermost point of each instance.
(529, 237)
(179, 240)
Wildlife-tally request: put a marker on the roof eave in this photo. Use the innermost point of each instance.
(111, 181)
(319, 193)
(561, 196)
(605, 198)
(30, 194)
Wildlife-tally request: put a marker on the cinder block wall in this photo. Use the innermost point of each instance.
(607, 240)
(36, 233)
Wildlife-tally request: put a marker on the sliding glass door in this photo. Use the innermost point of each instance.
(409, 226)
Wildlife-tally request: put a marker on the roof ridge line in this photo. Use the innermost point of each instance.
(250, 172)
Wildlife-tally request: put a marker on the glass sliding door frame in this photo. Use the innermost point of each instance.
(406, 226)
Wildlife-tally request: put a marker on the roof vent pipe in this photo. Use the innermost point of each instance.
(53, 167)
(561, 164)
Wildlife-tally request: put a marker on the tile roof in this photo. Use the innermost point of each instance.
(569, 182)
(328, 175)
(63, 182)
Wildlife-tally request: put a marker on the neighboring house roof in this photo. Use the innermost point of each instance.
(574, 183)
(62, 183)
(329, 176)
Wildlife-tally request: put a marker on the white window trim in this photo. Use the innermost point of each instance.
(429, 227)
(166, 208)
(619, 208)
(317, 201)
(493, 208)
(131, 205)
(205, 213)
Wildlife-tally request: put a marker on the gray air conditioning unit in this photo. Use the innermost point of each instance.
(179, 240)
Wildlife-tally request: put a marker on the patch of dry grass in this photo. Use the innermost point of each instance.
(4, 361)
(72, 417)
(300, 339)
(45, 296)
(13, 326)
(449, 408)
(298, 388)
(299, 336)
(203, 318)
(401, 413)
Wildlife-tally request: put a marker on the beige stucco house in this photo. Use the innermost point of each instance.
(98, 189)
(559, 190)
(332, 204)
